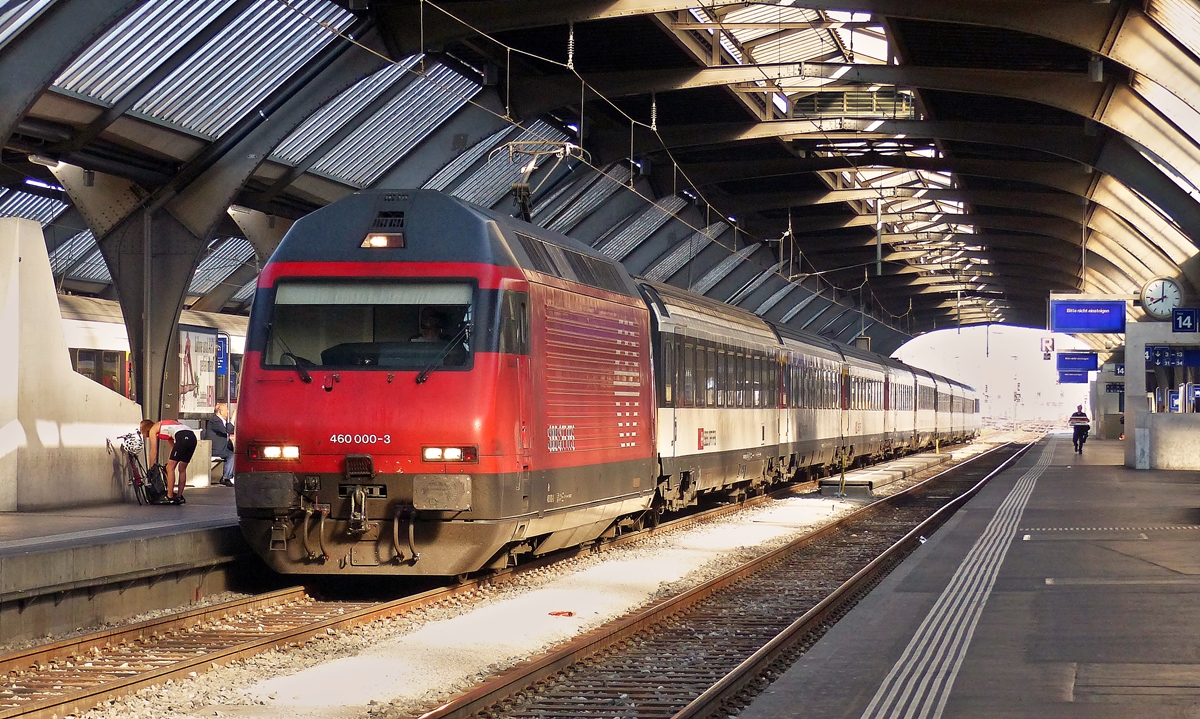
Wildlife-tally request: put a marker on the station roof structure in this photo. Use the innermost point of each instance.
(883, 167)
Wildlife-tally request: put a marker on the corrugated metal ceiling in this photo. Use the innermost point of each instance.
(14, 203)
(14, 16)
(137, 45)
(243, 64)
(329, 119)
(220, 264)
(396, 129)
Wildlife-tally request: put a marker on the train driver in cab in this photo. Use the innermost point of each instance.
(431, 328)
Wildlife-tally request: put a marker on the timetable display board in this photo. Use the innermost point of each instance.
(1087, 316)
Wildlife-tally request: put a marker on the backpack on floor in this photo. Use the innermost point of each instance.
(156, 486)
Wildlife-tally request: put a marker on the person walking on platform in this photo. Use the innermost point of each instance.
(1080, 425)
(183, 446)
(220, 432)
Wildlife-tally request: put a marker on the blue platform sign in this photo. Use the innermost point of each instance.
(1087, 361)
(1072, 377)
(1184, 320)
(1119, 370)
(1173, 400)
(1084, 316)
(222, 355)
(1168, 356)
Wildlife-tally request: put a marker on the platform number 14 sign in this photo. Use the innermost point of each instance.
(1183, 320)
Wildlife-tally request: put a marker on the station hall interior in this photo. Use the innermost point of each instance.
(1004, 194)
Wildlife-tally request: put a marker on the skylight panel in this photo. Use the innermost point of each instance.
(15, 16)
(14, 203)
(220, 264)
(244, 64)
(400, 126)
(136, 46)
(331, 118)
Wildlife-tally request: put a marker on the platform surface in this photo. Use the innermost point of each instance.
(23, 532)
(1068, 587)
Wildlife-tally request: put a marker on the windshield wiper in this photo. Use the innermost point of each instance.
(304, 375)
(462, 333)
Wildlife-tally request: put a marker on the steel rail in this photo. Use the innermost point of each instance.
(83, 699)
(526, 674)
(66, 648)
(756, 664)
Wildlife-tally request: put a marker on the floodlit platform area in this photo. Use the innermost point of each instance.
(1069, 587)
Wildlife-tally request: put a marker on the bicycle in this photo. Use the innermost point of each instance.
(148, 486)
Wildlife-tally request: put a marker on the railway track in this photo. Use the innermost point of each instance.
(693, 654)
(73, 675)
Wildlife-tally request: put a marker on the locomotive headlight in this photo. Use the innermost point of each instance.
(450, 454)
(379, 240)
(274, 451)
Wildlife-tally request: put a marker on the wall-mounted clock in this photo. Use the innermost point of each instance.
(1161, 295)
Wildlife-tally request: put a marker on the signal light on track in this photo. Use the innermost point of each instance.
(379, 240)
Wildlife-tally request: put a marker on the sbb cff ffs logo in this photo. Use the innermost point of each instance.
(561, 437)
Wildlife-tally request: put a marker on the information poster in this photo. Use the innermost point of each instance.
(197, 371)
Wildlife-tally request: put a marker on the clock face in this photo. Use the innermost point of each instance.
(1160, 296)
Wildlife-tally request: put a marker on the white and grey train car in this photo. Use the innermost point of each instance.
(743, 403)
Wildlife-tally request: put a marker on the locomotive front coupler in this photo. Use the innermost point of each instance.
(360, 471)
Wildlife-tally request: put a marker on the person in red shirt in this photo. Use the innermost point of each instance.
(183, 445)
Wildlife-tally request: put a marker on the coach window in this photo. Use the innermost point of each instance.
(710, 378)
(688, 364)
(783, 388)
(720, 376)
(730, 381)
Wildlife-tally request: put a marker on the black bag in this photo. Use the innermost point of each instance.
(156, 486)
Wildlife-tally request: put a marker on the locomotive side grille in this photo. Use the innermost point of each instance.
(593, 354)
(388, 220)
(596, 273)
(538, 255)
(566, 263)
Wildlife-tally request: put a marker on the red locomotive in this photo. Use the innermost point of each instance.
(431, 388)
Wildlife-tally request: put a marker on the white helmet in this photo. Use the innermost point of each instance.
(132, 442)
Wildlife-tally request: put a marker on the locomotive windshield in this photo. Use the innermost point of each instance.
(380, 324)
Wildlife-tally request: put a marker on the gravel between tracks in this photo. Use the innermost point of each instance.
(399, 666)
